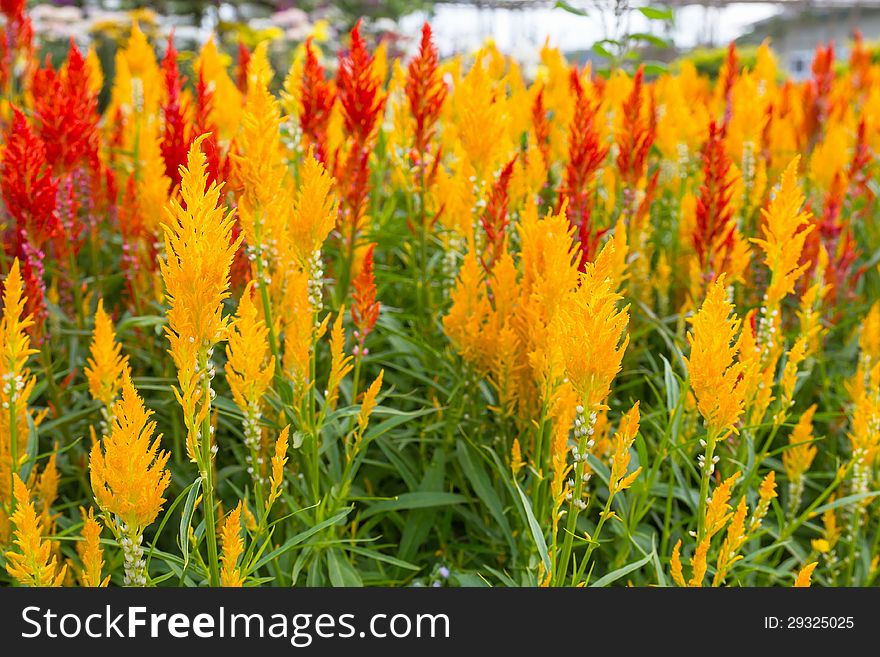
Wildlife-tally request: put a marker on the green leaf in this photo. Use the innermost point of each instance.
(571, 9)
(535, 528)
(656, 13)
(673, 392)
(384, 558)
(299, 538)
(602, 51)
(417, 500)
(615, 575)
(483, 489)
(653, 39)
(186, 517)
(342, 573)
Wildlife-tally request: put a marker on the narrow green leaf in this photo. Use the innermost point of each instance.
(417, 500)
(623, 571)
(656, 13)
(342, 573)
(535, 528)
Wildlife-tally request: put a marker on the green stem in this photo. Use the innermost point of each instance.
(207, 473)
(711, 439)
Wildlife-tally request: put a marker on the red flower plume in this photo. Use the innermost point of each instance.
(585, 155)
(67, 112)
(425, 91)
(27, 185)
(175, 141)
(317, 96)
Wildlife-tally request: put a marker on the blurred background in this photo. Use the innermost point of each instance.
(583, 29)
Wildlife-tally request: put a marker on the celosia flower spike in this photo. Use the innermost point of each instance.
(715, 374)
(33, 563)
(365, 309)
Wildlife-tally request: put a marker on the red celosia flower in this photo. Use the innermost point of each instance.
(729, 75)
(27, 185)
(817, 93)
(494, 219)
(425, 91)
(585, 155)
(175, 140)
(714, 229)
(67, 111)
(241, 72)
(202, 124)
(541, 126)
(360, 91)
(634, 140)
(365, 309)
(317, 96)
(362, 101)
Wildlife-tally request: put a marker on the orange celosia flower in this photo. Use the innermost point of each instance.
(805, 575)
(233, 548)
(623, 441)
(279, 459)
(715, 374)
(199, 252)
(249, 366)
(128, 475)
(798, 456)
(785, 229)
(16, 381)
(106, 365)
(33, 563)
(314, 210)
(90, 553)
(365, 309)
(340, 362)
(591, 330)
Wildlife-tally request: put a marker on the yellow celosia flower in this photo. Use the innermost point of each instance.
(233, 548)
(699, 562)
(279, 459)
(340, 362)
(591, 330)
(766, 494)
(718, 509)
(32, 564)
(368, 403)
(106, 365)
(16, 381)
(227, 106)
(623, 441)
(94, 71)
(249, 366)
(463, 323)
(805, 575)
(199, 251)
(798, 457)
(714, 372)
(675, 565)
(785, 228)
(736, 537)
(260, 164)
(128, 475)
(90, 553)
(45, 489)
(314, 210)
(297, 315)
(516, 460)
